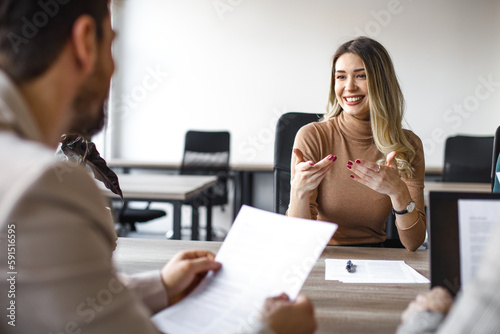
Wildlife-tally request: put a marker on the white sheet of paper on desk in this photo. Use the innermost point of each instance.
(263, 255)
(372, 271)
(476, 219)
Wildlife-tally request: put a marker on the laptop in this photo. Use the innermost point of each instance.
(444, 236)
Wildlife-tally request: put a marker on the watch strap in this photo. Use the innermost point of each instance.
(404, 211)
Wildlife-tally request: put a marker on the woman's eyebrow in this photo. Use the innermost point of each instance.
(356, 70)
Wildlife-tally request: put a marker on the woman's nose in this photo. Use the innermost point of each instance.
(351, 85)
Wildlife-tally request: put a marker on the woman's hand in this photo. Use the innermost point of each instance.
(308, 175)
(381, 178)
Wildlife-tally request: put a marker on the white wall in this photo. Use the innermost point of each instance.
(239, 64)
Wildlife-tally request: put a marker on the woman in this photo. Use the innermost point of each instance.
(358, 164)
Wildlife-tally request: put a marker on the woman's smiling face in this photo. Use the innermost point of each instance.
(351, 86)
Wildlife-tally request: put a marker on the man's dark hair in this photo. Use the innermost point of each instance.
(34, 32)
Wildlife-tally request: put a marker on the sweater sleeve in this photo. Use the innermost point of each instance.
(413, 236)
(425, 322)
(148, 288)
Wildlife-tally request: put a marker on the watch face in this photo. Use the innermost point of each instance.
(411, 206)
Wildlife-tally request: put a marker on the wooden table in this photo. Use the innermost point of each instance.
(175, 189)
(340, 307)
(242, 174)
(455, 187)
(127, 165)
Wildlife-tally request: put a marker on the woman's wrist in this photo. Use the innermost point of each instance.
(299, 203)
(299, 193)
(401, 198)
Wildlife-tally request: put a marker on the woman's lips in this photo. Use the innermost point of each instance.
(353, 100)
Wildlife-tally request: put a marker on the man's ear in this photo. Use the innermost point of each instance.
(84, 41)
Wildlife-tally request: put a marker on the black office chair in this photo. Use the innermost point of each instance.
(127, 217)
(494, 158)
(286, 129)
(468, 159)
(207, 153)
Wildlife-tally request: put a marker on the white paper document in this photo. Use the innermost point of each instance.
(372, 271)
(263, 255)
(476, 219)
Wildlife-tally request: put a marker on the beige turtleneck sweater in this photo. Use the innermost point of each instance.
(359, 211)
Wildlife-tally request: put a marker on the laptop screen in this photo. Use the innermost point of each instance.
(444, 237)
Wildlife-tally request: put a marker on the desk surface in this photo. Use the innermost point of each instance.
(454, 187)
(161, 187)
(457, 186)
(340, 307)
(124, 163)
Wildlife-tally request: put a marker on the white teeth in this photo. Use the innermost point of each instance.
(353, 99)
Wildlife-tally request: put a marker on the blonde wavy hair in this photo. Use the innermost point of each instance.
(385, 98)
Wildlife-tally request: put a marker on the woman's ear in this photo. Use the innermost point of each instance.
(84, 42)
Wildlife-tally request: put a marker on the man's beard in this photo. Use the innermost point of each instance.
(89, 106)
(84, 123)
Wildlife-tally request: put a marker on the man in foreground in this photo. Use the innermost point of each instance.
(56, 235)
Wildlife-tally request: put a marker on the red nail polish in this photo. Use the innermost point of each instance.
(349, 163)
(349, 166)
(334, 158)
(358, 161)
(352, 176)
(311, 163)
(330, 157)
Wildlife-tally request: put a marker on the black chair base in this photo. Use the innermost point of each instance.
(127, 218)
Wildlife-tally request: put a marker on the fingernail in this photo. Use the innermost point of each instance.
(352, 176)
(334, 158)
(349, 166)
(311, 163)
(330, 157)
(349, 163)
(358, 161)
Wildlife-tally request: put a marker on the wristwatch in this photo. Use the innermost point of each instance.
(409, 208)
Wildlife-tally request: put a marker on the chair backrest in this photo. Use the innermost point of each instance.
(207, 153)
(494, 158)
(286, 129)
(468, 159)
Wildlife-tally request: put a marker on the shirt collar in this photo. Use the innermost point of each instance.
(14, 111)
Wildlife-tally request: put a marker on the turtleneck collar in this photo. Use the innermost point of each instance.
(354, 128)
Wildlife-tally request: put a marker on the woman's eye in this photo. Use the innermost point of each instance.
(362, 76)
(340, 77)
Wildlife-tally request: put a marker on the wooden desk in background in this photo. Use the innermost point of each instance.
(340, 307)
(168, 188)
(242, 174)
(454, 187)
